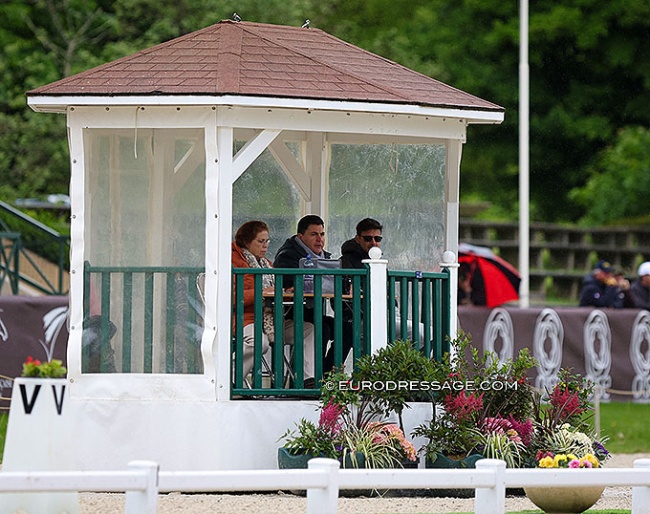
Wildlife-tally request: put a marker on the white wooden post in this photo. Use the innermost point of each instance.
(143, 502)
(491, 500)
(449, 261)
(378, 299)
(324, 501)
(641, 495)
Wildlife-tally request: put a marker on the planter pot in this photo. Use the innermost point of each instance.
(566, 500)
(287, 460)
(444, 462)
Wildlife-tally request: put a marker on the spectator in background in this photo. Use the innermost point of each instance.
(600, 289)
(641, 287)
(464, 285)
(626, 292)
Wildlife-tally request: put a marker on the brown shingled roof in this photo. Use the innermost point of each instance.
(254, 59)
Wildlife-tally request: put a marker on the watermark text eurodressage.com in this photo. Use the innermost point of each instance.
(422, 385)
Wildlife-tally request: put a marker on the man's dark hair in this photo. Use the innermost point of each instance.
(310, 219)
(368, 224)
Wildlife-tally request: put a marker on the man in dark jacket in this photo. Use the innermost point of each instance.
(600, 289)
(641, 287)
(356, 250)
(310, 240)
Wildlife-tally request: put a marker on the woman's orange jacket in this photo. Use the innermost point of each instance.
(239, 261)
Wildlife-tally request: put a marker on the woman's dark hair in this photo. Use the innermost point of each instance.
(248, 231)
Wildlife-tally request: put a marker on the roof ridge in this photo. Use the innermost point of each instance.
(328, 65)
(340, 69)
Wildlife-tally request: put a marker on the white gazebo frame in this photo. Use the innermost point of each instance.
(190, 421)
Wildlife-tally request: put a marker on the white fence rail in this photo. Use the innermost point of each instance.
(139, 482)
(323, 480)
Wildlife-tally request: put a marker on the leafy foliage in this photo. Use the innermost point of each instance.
(51, 369)
(484, 407)
(619, 180)
(589, 71)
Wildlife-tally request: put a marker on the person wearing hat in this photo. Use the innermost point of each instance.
(600, 289)
(641, 287)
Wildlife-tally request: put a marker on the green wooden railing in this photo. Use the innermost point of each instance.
(347, 314)
(139, 306)
(423, 300)
(150, 320)
(19, 233)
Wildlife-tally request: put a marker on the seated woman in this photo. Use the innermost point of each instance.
(249, 251)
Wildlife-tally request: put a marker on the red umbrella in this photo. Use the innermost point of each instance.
(494, 281)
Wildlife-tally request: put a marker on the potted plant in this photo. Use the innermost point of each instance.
(562, 438)
(483, 408)
(354, 425)
(33, 368)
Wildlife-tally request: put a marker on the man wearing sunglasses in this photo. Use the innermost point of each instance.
(356, 250)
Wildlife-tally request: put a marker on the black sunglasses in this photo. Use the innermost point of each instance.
(377, 239)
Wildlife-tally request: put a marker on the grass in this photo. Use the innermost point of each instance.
(607, 511)
(4, 417)
(626, 426)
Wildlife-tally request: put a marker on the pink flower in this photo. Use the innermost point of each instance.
(463, 405)
(575, 463)
(329, 417)
(390, 432)
(523, 428)
(565, 402)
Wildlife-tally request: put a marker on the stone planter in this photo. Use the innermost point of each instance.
(565, 500)
(445, 462)
(286, 460)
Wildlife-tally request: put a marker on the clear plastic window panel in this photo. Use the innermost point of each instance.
(401, 186)
(144, 250)
(263, 192)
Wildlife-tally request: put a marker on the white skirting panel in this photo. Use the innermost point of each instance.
(192, 435)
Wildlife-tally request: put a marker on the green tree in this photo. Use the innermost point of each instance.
(46, 40)
(619, 184)
(589, 71)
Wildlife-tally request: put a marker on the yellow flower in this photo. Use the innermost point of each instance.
(559, 459)
(570, 456)
(547, 462)
(593, 459)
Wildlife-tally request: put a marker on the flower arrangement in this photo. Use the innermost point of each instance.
(337, 436)
(353, 425)
(563, 460)
(483, 406)
(51, 369)
(512, 422)
(562, 436)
